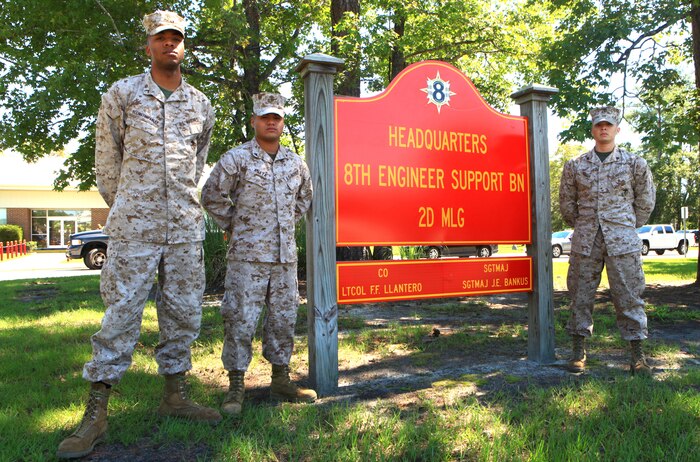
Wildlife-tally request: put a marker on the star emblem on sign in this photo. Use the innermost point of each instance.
(438, 91)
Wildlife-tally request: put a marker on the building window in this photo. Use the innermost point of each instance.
(52, 228)
(3, 216)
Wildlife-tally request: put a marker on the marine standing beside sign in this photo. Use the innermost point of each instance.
(152, 138)
(605, 194)
(257, 192)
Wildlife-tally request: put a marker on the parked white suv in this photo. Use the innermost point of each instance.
(661, 238)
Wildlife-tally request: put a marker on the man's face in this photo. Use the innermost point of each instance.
(268, 127)
(166, 49)
(605, 132)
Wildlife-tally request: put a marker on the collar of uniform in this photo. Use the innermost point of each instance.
(614, 156)
(260, 153)
(152, 88)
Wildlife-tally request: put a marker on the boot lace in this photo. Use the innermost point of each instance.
(95, 402)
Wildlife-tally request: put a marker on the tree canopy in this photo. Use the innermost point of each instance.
(58, 56)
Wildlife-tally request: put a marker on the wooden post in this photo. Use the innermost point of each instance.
(318, 71)
(540, 340)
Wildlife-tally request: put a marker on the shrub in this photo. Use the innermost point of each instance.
(300, 236)
(215, 246)
(412, 253)
(10, 233)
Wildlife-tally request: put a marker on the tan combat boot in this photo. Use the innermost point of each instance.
(638, 363)
(233, 401)
(92, 428)
(577, 363)
(175, 402)
(282, 389)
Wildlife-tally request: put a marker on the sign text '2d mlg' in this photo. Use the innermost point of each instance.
(428, 161)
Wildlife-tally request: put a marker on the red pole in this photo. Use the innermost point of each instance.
(14, 248)
(2, 252)
(24, 247)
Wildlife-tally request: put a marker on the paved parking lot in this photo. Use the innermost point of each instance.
(40, 265)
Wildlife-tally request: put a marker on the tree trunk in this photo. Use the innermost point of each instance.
(251, 58)
(695, 21)
(348, 82)
(398, 60)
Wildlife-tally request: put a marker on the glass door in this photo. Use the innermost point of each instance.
(60, 230)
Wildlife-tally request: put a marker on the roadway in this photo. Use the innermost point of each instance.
(40, 265)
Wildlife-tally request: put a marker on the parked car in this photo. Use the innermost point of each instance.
(91, 246)
(692, 234)
(482, 251)
(561, 243)
(661, 238)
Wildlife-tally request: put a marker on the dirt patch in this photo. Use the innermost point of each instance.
(148, 451)
(38, 291)
(499, 354)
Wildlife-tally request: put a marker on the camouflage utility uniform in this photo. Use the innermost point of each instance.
(605, 202)
(149, 156)
(258, 201)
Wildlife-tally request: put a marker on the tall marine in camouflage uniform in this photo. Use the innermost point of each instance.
(257, 192)
(152, 138)
(605, 194)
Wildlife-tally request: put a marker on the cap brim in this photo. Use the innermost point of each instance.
(270, 110)
(610, 120)
(162, 28)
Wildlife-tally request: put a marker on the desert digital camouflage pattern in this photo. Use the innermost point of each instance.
(149, 156)
(266, 103)
(617, 195)
(605, 114)
(258, 201)
(627, 284)
(248, 287)
(160, 20)
(605, 202)
(125, 283)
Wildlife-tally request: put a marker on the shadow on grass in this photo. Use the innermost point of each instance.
(468, 394)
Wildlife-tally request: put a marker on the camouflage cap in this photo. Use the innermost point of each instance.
(163, 20)
(268, 103)
(605, 114)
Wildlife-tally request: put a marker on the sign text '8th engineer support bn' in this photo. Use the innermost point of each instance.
(428, 161)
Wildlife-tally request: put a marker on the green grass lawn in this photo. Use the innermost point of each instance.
(44, 340)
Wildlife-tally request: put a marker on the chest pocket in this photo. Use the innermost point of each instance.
(586, 178)
(140, 139)
(292, 182)
(257, 177)
(620, 177)
(136, 122)
(190, 129)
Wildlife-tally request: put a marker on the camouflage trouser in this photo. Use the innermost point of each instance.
(126, 281)
(626, 279)
(249, 287)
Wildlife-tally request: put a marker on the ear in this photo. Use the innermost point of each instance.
(252, 120)
(147, 49)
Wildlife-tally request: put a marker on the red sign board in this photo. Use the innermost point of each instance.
(362, 282)
(428, 161)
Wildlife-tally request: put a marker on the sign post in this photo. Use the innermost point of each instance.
(684, 217)
(318, 70)
(427, 161)
(540, 337)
